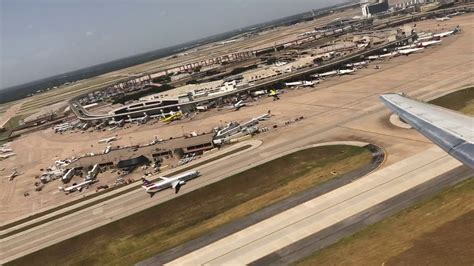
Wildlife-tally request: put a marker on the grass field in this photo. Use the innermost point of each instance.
(15, 121)
(462, 101)
(10, 126)
(177, 221)
(439, 231)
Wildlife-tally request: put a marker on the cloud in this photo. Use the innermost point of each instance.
(89, 33)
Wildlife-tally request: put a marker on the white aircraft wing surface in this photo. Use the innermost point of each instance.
(452, 131)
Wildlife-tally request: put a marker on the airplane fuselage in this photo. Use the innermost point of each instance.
(168, 183)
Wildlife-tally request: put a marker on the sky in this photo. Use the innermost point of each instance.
(42, 38)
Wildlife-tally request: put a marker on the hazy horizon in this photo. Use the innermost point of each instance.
(44, 38)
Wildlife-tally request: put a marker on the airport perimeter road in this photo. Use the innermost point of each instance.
(322, 212)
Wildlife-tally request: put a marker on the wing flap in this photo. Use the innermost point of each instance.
(452, 131)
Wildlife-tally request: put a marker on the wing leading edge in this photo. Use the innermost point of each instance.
(450, 130)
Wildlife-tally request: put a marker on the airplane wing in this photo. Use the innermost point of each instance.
(176, 185)
(452, 131)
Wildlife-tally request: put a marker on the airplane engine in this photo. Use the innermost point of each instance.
(182, 182)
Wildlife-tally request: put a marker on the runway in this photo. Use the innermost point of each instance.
(359, 115)
(315, 215)
(324, 238)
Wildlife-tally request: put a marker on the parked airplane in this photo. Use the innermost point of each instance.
(357, 64)
(239, 105)
(303, 83)
(143, 119)
(419, 45)
(13, 174)
(447, 33)
(424, 38)
(456, 14)
(140, 120)
(6, 156)
(108, 140)
(428, 43)
(78, 187)
(325, 74)
(118, 123)
(5, 150)
(341, 72)
(229, 41)
(308, 33)
(443, 34)
(443, 18)
(280, 63)
(174, 182)
(107, 149)
(100, 126)
(409, 51)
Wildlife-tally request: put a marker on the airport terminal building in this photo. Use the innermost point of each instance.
(154, 152)
(369, 9)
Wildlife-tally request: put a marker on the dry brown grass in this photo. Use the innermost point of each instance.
(461, 101)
